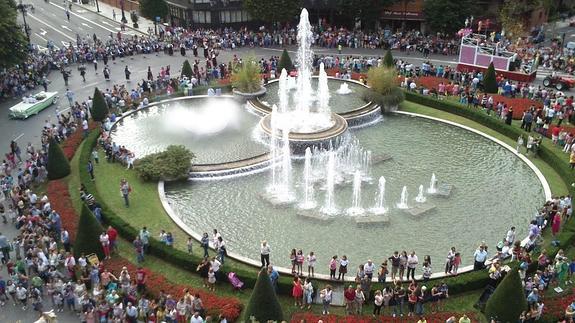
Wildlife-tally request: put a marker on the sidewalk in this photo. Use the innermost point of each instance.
(107, 11)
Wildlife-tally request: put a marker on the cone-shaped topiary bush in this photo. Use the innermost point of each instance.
(100, 108)
(187, 69)
(388, 59)
(489, 80)
(88, 236)
(508, 300)
(285, 62)
(58, 166)
(263, 304)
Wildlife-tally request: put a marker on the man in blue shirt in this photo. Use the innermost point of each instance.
(274, 277)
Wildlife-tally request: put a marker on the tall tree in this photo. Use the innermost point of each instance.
(153, 8)
(490, 80)
(272, 11)
(368, 11)
(13, 43)
(285, 62)
(448, 16)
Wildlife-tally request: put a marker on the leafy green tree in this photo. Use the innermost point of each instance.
(273, 11)
(508, 300)
(388, 59)
(263, 305)
(58, 165)
(13, 43)
(153, 8)
(100, 108)
(88, 236)
(173, 163)
(187, 70)
(448, 16)
(368, 11)
(490, 81)
(285, 62)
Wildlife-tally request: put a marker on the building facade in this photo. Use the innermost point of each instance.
(207, 13)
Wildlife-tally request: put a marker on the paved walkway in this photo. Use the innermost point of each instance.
(108, 11)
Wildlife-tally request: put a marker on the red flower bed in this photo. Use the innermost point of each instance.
(60, 201)
(73, 141)
(555, 306)
(431, 318)
(215, 305)
(519, 104)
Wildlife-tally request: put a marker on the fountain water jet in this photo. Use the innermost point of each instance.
(323, 93)
(329, 208)
(432, 185)
(403, 200)
(356, 208)
(309, 202)
(380, 205)
(420, 198)
(344, 89)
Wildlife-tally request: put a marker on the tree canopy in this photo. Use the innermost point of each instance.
(13, 43)
(369, 11)
(448, 16)
(153, 8)
(272, 11)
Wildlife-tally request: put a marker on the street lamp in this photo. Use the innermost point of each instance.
(97, 7)
(24, 9)
(124, 20)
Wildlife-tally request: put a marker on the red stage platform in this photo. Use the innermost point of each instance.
(515, 76)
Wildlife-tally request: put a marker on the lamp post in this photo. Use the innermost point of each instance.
(97, 7)
(23, 8)
(124, 20)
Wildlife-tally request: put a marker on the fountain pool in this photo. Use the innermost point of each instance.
(493, 190)
(339, 103)
(216, 129)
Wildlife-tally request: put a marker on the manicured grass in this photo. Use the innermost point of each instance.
(558, 186)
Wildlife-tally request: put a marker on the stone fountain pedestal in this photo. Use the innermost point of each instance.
(314, 215)
(444, 190)
(371, 220)
(299, 141)
(419, 210)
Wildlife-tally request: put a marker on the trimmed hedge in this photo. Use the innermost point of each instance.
(263, 305)
(88, 236)
(508, 301)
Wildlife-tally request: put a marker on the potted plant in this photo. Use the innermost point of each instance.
(134, 17)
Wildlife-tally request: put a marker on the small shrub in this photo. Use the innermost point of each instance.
(187, 70)
(263, 304)
(388, 59)
(58, 165)
(88, 236)
(100, 108)
(173, 163)
(246, 77)
(285, 62)
(489, 81)
(508, 300)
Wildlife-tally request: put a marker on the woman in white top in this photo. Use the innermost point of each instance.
(325, 296)
(378, 302)
(311, 260)
(307, 293)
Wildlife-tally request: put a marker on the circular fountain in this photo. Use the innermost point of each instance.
(342, 181)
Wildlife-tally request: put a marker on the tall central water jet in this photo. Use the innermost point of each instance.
(356, 208)
(283, 92)
(323, 93)
(304, 62)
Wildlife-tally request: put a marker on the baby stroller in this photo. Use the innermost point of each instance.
(235, 281)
